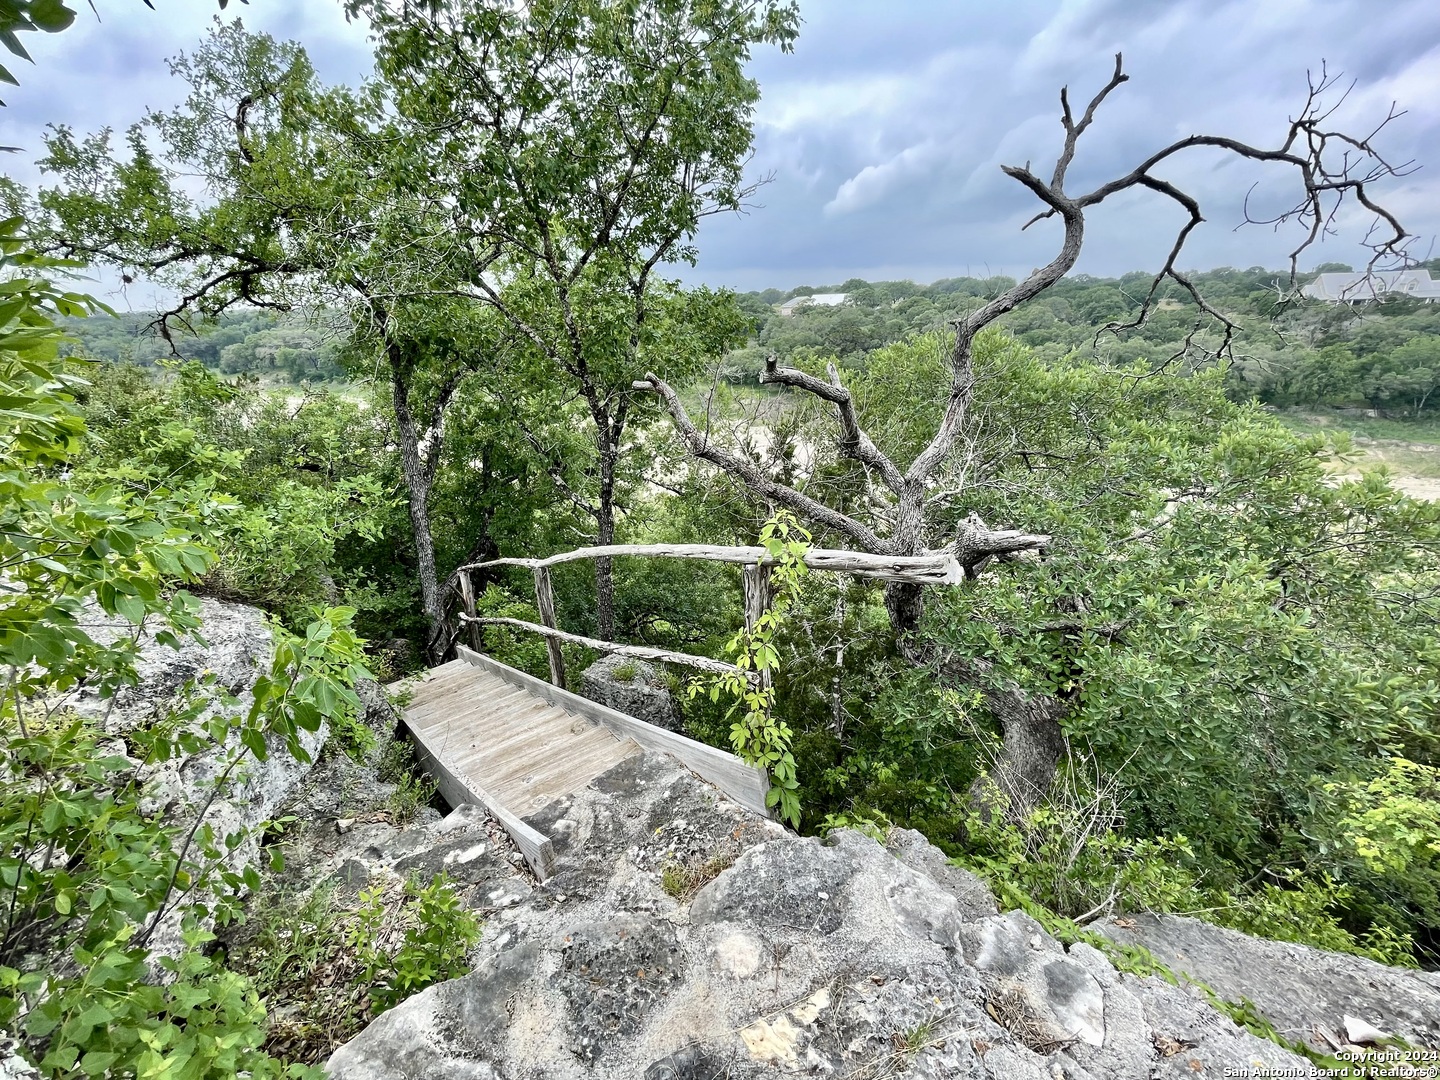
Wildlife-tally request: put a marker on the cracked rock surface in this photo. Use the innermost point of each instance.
(1305, 992)
(792, 957)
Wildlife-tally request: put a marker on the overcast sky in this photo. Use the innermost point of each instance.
(886, 128)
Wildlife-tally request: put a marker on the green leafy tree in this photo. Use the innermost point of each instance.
(296, 214)
(583, 142)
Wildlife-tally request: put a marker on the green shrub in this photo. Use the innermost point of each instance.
(404, 947)
(1386, 830)
(1073, 861)
(411, 795)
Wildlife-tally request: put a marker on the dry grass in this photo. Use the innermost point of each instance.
(684, 880)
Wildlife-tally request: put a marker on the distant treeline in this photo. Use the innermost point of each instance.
(1312, 354)
(288, 347)
(1377, 356)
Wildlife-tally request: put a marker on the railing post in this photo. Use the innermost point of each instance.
(758, 594)
(545, 602)
(467, 601)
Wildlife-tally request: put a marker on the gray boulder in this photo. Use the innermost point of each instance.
(796, 957)
(236, 648)
(912, 849)
(632, 687)
(12, 1065)
(1305, 992)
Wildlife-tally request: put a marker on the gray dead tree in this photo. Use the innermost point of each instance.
(1332, 168)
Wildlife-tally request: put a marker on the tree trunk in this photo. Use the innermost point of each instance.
(1034, 746)
(605, 534)
(418, 478)
(905, 603)
(1033, 738)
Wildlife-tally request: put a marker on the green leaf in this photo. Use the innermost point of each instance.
(52, 16)
(255, 742)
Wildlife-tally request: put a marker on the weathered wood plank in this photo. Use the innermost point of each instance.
(467, 601)
(555, 759)
(744, 783)
(932, 568)
(483, 746)
(458, 689)
(759, 592)
(459, 789)
(474, 707)
(440, 689)
(514, 713)
(531, 792)
(466, 714)
(545, 604)
(571, 771)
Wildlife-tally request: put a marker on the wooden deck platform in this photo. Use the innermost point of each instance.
(493, 735)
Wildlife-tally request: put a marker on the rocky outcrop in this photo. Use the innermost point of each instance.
(683, 938)
(235, 648)
(12, 1065)
(1306, 993)
(632, 687)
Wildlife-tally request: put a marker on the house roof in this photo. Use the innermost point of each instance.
(824, 299)
(1358, 288)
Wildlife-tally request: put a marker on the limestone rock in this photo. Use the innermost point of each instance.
(799, 957)
(632, 687)
(1303, 991)
(912, 849)
(236, 648)
(12, 1065)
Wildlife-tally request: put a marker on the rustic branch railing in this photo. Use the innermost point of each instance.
(934, 568)
(640, 652)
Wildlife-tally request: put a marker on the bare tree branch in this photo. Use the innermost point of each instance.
(701, 447)
(854, 443)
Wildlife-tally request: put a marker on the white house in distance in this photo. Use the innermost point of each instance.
(1371, 287)
(824, 299)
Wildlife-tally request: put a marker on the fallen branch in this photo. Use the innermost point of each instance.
(933, 568)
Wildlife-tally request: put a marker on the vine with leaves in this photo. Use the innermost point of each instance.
(757, 735)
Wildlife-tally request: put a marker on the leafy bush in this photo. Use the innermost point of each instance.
(411, 795)
(435, 935)
(758, 736)
(1072, 859)
(86, 874)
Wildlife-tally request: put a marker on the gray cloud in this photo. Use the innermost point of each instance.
(885, 132)
(886, 128)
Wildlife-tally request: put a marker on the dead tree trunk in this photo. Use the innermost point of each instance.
(1331, 166)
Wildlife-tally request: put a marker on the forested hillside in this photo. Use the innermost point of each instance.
(274, 347)
(1186, 659)
(1376, 356)
(1383, 356)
